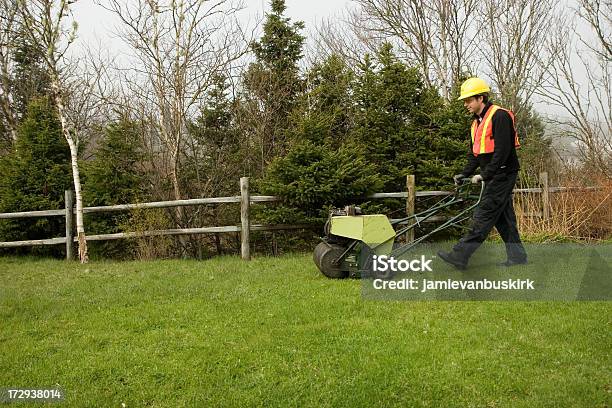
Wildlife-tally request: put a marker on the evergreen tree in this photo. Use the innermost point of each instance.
(380, 124)
(114, 176)
(215, 159)
(273, 82)
(35, 175)
(30, 79)
(214, 162)
(311, 178)
(325, 112)
(5, 140)
(403, 124)
(26, 81)
(318, 171)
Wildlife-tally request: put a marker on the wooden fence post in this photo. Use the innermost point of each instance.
(245, 203)
(411, 187)
(545, 195)
(69, 204)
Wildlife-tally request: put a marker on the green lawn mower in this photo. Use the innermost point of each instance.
(352, 238)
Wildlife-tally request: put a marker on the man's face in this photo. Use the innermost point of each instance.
(473, 104)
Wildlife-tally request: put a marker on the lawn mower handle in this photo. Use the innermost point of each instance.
(468, 180)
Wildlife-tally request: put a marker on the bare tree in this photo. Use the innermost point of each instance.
(514, 45)
(448, 39)
(179, 47)
(44, 23)
(598, 14)
(585, 99)
(437, 36)
(340, 36)
(8, 23)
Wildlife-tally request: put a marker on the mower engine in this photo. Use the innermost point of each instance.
(350, 241)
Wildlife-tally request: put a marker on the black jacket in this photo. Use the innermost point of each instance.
(504, 158)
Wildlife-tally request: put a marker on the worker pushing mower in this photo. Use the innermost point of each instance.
(351, 239)
(493, 145)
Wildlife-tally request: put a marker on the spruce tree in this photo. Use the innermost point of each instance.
(312, 178)
(35, 175)
(321, 169)
(216, 154)
(30, 79)
(398, 122)
(27, 80)
(325, 112)
(272, 82)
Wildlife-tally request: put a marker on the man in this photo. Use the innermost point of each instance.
(493, 146)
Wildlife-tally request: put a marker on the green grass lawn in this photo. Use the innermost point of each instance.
(275, 332)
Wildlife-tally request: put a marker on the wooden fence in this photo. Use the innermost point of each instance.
(245, 200)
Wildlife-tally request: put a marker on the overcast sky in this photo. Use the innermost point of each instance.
(96, 24)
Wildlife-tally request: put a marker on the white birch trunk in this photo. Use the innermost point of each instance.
(80, 226)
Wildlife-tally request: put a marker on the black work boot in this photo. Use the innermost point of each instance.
(453, 258)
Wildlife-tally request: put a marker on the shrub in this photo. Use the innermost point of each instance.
(311, 178)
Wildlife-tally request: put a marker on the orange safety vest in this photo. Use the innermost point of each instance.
(482, 133)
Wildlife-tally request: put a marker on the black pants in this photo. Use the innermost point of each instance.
(495, 210)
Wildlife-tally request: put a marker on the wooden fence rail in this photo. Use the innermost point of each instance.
(244, 199)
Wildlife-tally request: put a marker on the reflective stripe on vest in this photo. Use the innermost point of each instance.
(482, 133)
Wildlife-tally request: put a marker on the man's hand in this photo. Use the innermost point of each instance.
(457, 178)
(476, 179)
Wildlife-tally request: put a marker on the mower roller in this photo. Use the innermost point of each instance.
(351, 238)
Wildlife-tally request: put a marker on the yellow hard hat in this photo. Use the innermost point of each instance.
(473, 86)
